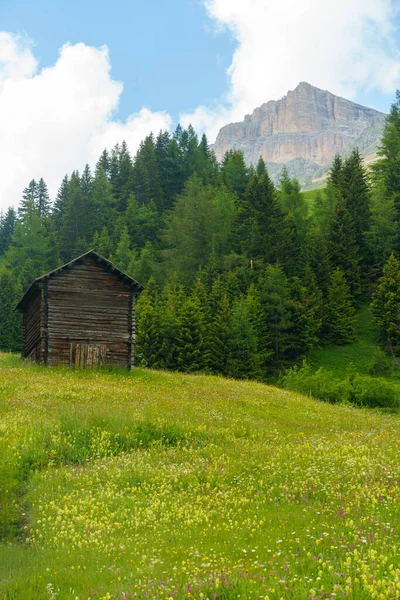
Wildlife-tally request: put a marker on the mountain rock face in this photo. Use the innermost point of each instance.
(303, 130)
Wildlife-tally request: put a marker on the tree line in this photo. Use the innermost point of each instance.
(242, 277)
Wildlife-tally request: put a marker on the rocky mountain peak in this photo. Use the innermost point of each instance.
(304, 130)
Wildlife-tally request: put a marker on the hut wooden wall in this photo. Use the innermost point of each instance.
(31, 326)
(89, 316)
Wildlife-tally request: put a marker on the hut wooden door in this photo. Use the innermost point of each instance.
(87, 355)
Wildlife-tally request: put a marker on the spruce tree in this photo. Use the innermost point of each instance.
(148, 327)
(43, 199)
(344, 250)
(102, 203)
(28, 255)
(234, 172)
(29, 199)
(292, 200)
(308, 309)
(381, 237)
(289, 250)
(191, 347)
(144, 266)
(172, 301)
(219, 328)
(146, 175)
(278, 313)
(259, 225)
(60, 204)
(7, 227)
(386, 170)
(123, 252)
(385, 305)
(122, 183)
(102, 243)
(104, 163)
(74, 226)
(244, 361)
(317, 256)
(357, 195)
(340, 312)
(336, 172)
(10, 320)
(261, 169)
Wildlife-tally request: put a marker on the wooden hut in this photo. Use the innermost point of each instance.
(81, 314)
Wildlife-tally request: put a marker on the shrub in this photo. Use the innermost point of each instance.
(380, 364)
(357, 389)
(374, 392)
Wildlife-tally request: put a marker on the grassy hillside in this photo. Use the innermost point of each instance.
(161, 485)
(360, 353)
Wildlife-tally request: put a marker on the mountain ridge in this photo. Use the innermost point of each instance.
(304, 130)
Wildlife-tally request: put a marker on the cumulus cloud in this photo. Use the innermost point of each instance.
(346, 46)
(57, 119)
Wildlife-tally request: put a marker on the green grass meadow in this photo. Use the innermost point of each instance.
(360, 354)
(160, 485)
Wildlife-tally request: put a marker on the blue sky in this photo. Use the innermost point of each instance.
(167, 54)
(134, 67)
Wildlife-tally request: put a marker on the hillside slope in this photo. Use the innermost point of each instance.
(163, 485)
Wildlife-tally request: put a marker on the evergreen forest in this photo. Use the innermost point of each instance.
(243, 278)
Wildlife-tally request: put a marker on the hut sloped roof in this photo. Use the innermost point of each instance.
(100, 259)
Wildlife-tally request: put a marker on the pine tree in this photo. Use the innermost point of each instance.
(268, 222)
(292, 200)
(244, 361)
(278, 313)
(148, 327)
(219, 328)
(234, 172)
(317, 256)
(387, 167)
(28, 255)
(261, 169)
(74, 226)
(29, 199)
(289, 251)
(102, 243)
(336, 171)
(343, 246)
(340, 312)
(172, 301)
(43, 199)
(10, 321)
(146, 175)
(121, 175)
(356, 193)
(381, 236)
(123, 253)
(260, 327)
(190, 228)
(386, 170)
(145, 265)
(7, 227)
(324, 207)
(308, 309)
(102, 203)
(104, 163)
(175, 180)
(385, 305)
(60, 204)
(191, 356)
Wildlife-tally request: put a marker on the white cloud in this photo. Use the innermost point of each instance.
(55, 120)
(345, 46)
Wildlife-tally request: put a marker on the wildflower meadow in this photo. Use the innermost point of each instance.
(167, 486)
